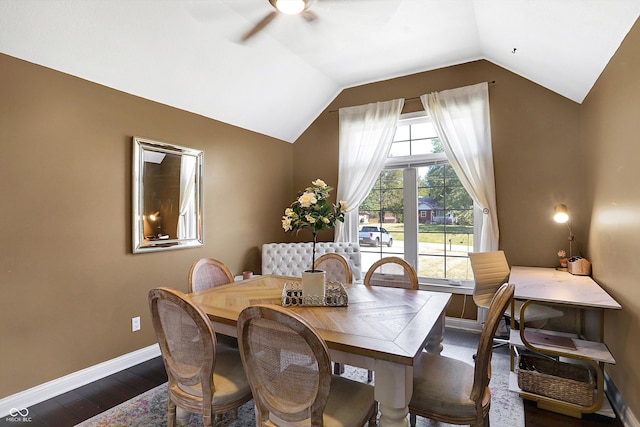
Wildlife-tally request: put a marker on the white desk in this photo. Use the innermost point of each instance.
(551, 286)
(559, 287)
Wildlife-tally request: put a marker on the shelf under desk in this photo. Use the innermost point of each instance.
(590, 349)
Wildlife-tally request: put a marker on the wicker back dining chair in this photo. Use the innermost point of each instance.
(452, 391)
(207, 273)
(289, 369)
(203, 377)
(392, 272)
(336, 268)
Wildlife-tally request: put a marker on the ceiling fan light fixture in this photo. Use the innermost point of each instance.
(291, 7)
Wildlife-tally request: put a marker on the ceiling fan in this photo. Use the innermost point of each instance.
(287, 7)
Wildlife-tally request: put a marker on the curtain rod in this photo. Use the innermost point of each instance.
(407, 99)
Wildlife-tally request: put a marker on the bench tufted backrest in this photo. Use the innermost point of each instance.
(291, 259)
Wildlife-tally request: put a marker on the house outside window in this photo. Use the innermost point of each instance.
(420, 201)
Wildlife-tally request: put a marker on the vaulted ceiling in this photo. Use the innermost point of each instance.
(189, 54)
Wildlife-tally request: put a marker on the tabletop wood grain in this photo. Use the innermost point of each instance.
(379, 322)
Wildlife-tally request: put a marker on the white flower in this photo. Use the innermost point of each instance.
(319, 183)
(311, 210)
(562, 253)
(343, 206)
(307, 199)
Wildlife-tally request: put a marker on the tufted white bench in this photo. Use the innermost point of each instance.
(291, 259)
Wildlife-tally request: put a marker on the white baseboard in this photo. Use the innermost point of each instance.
(61, 385)
(627, 417)
(466, 324)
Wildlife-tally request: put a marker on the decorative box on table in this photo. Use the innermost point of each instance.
(335, 295)
(579, 266)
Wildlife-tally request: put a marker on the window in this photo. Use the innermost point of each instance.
(420, 201)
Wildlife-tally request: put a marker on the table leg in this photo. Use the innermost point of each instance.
(182, 416)
(436, 336)
(393, 389)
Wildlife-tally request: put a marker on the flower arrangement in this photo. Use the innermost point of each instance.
(312, 210)
(563, 258)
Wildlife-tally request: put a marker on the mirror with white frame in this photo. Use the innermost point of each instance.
(167, 196)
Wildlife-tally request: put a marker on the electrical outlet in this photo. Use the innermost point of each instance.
(135, 324)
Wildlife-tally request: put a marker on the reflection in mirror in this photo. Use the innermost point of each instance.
(167, 196)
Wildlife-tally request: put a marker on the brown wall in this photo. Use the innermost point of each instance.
(69, 284)
(611, 150)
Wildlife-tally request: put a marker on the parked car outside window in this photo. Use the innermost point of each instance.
(373, 235)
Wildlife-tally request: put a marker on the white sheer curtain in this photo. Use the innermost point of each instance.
(461, 119)
(366, 133)
(187, 218)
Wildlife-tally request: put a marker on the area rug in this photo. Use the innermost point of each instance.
(150, 408)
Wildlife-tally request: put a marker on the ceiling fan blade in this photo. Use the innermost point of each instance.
(259, 26)
(309, 16)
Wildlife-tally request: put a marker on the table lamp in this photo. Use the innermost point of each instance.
(561, 215)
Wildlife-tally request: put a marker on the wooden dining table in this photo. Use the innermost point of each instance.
(382, 329)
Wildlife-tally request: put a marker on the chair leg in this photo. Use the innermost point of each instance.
(182, 416)
(497, 342)
(412, 419)
(502, 340)
(374, 415)
(484, 422)
(171, 414)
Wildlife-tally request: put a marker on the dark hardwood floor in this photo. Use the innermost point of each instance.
(534, 417)
(71, 408)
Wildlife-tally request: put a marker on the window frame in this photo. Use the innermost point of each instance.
(409, 165)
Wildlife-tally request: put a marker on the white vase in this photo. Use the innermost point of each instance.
(313, 283)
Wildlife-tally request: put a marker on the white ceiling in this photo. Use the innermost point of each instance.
(188, 54)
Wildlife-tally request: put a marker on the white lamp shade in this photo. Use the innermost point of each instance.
(560, 213)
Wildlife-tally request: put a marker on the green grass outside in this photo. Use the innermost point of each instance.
(435, 233)
(434, 266)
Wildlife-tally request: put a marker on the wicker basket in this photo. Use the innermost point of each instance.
(558, 380)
